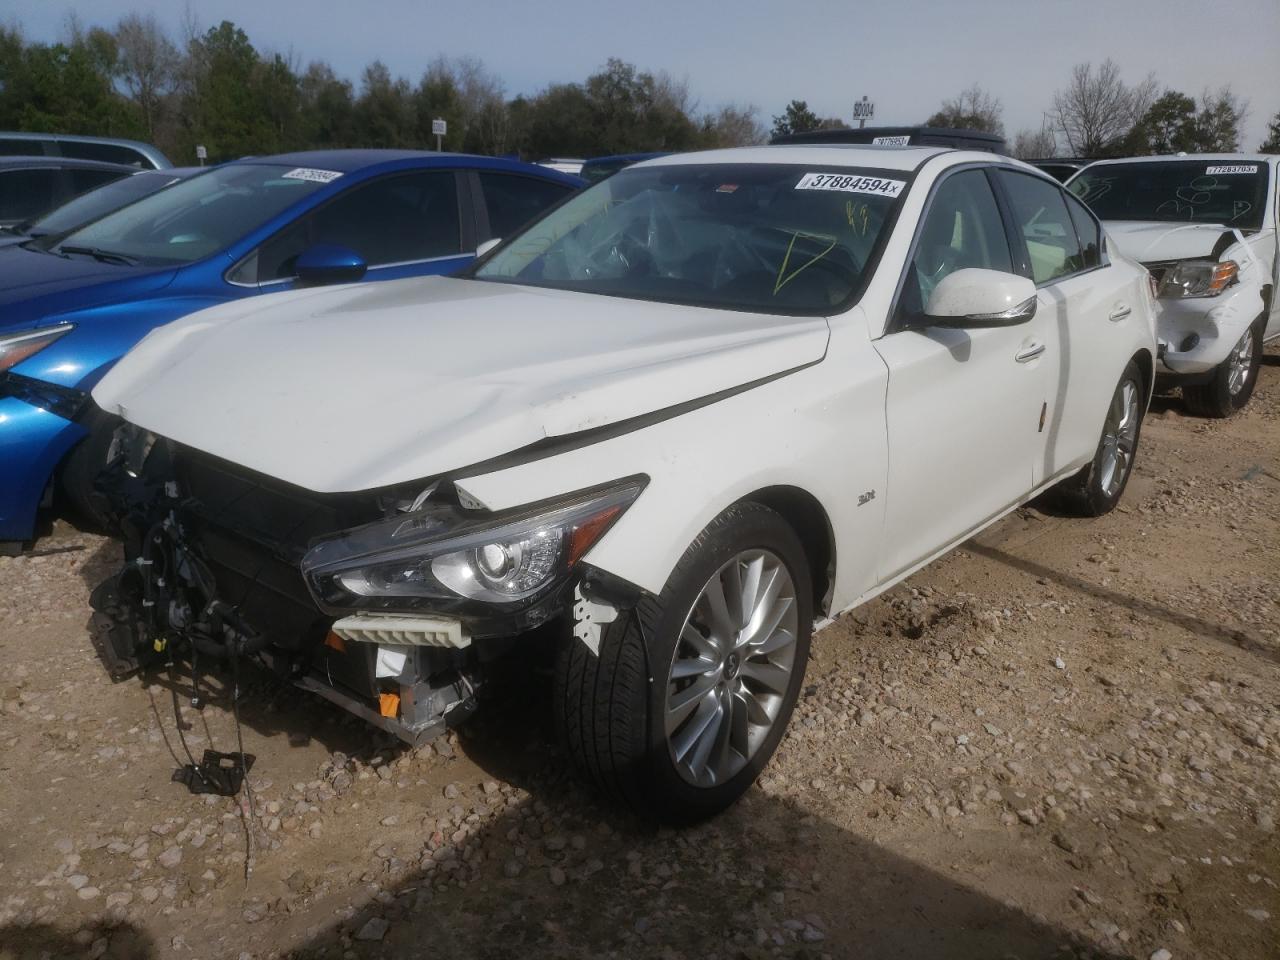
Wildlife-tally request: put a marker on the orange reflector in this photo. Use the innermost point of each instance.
(336, 642)
(389, 704)
(588, 532)
(1223, 274)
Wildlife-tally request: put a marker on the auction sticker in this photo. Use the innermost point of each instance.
(1226, 171)
(891, 141)
(315, 176)
(850, 183)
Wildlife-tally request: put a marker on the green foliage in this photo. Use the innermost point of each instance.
(222, 93)
(1272, 143)
(1175, 123)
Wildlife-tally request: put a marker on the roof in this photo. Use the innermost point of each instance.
(351, 161)
(840, 155)
(145, 149)
(1175, 157)
(962, 137)
(626, 157)
(63, 163)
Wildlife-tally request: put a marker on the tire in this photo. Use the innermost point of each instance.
(612, 707)
(1233, 379)
(82, 466)
(1097, 488)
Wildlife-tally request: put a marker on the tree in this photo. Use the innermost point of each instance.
(1035, 144)
(222, 106)
(974, 109)
(1169, 125)
(147, 65)
(326, 108)
(796, 118)
(1272, 143)
(732, 126)
(1217, 124)
(1096, 110)
(385, 114)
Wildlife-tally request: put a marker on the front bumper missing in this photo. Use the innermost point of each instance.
(1197, 334)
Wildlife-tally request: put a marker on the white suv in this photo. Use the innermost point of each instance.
(693, 411)
(1205, 226)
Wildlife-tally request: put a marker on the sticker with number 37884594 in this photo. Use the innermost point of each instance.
(850, 183)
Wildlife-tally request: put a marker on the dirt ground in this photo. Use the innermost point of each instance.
(1062, 740)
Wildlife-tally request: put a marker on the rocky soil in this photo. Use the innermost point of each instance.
(1062, 740)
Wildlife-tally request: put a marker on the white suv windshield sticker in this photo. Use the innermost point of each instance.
(318, 176)
(1230, 169)
(891, 141)
(850, 183)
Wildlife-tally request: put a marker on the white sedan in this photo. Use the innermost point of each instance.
(688, 415)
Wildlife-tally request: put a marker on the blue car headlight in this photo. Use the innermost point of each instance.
(17, 347)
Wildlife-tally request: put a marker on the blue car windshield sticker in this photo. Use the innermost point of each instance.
(316, 176)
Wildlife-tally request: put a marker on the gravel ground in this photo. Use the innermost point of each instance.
(1062, 740)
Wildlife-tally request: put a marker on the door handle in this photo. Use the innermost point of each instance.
(1027, 354)
(1121, 311)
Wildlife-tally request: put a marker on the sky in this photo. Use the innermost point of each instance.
(907, 56)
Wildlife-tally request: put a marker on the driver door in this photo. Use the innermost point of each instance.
(964, 407)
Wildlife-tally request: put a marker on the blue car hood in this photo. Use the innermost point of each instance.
(36, 285)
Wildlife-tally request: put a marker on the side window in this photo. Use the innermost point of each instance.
(513, 200)
(1040, 211)
(395, 219)
(1088, 231)
(22, 147)
(110, 152)
(962, 228)
(27, 193)
(82, 180)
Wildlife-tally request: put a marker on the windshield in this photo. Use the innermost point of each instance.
(92, 205)
(763, 237)
(198, 217)
(1232, 193)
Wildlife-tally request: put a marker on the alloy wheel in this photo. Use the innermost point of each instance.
(1240, 363)
(1120, 437)
(731, 668)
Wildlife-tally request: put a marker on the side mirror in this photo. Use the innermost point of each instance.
(487, 246)
(329, 263)
(981, 298)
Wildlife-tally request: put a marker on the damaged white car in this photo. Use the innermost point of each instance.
(1205, 226)
(693, 411)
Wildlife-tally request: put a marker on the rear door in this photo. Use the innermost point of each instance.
(963, 406)
(1083, 302)
(511, 200)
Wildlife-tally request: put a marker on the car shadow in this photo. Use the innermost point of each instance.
(1204, 628)
(560, 872)
(117, 941)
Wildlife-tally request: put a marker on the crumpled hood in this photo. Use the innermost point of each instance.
(1149, 242)
(355, 387)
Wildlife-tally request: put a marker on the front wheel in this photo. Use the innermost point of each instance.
(689, 694)
(1232, 383)
(1097, 488)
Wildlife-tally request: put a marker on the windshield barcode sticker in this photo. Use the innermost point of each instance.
(316, 176)
(848, 183)
(891, 141)
(1229, 169)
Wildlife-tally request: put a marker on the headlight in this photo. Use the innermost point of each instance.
(1198, 278)
(445, 559)
(19, 346)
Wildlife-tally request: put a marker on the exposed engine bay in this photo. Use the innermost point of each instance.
(213, 573)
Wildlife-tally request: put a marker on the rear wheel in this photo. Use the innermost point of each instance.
(1233, 379)
(689, 695)
(1097, 488)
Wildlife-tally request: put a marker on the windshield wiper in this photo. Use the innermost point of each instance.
(105, 256)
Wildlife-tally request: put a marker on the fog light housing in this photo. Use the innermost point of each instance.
(1189, 343)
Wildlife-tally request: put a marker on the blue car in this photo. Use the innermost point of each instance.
(71, 305)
